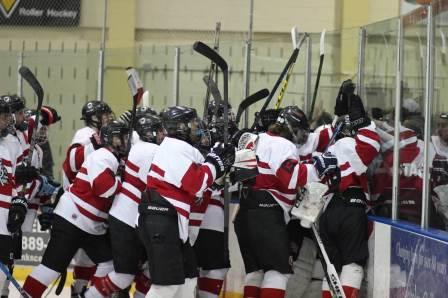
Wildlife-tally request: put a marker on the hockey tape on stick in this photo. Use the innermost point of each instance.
(294, 33)
(319, 73)
(329, 269)
(13, 280)
(135, 85)
(250, 100)
(31, 79)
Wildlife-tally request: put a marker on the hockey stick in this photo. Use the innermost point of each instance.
(329, 269)
(319, 73)
(291, 60)
(136, 87)
(211, 71)
(13, 280)
(206, 51)
(253, 98)
(291, 67)
(26, 73)
(215, 93)
(61, 283)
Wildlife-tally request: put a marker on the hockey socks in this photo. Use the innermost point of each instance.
(351, 278)
(252, 284)
(142, 284)
(210, 282)
(274, 284)
(39, 279)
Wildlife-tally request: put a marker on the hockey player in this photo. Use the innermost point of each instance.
(207, 219)
(127, 250)
(439, 172)
(86, 140)
(12, 207)
(81, 214)
(343, 223)
(179, 174)
(264, 208)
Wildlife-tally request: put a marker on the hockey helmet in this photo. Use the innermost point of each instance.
(96, 113)
(183, 123)
(150, 129)
(296, 123)
(114, 135)
(5, 115)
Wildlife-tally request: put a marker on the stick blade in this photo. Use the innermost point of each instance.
(28, 76)
(294, 34)
(250, 100)
(135, 85)
(322, 42)
(211, 54)
(213, 89)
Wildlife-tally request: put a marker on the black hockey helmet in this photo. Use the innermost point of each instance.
(17, 103)
(219, 108)
(110, 132)
(296, 123)
(93, 111)
(268, 117)
(183, 123)
(148, 127)
(5, 115)
(125, 117)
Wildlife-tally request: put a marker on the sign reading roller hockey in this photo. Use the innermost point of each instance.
(40, 13)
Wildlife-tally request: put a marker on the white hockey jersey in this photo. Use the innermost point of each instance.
(317, 142)
(125, 205)
(87, 202)
(280, 172)
(80, 147)
(179, 174)
(6, 185)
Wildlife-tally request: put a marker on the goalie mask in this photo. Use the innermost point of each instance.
(293, 120)
(5, 116)
(96, 113)
(150, 129)
(114, 136)
(184, 124)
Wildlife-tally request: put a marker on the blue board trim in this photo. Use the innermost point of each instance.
(431, 233)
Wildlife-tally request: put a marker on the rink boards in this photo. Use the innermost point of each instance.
(405, 261)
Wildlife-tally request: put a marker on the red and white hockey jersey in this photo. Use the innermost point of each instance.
(410, 179)
(6, 185)
(80, 147)
(280, 172)
(317, 142)
(355, 155)
(87, 202)
(125, 205)
(178, 173)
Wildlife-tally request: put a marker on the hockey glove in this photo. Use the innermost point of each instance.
(222, 157)
(48, 187)
(25, 174)
(17, 213)
(46, 217)
(325, 163)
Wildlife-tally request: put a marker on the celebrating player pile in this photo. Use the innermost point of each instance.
(145, 198)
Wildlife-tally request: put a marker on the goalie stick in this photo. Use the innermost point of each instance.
(13, 280)
(250, 100)
(291, 61)
(319, 73)
(31, 79)
(136, 87)
(212, 55)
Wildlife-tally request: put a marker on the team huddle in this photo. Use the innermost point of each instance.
(143, 197)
